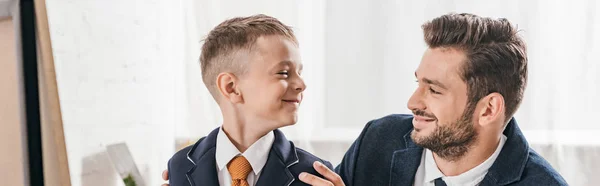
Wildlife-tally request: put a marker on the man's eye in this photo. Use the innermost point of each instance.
(433, 91)
(283, 73)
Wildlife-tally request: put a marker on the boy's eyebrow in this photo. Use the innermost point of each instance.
(434, 82)
(286, 62)
(290, 63)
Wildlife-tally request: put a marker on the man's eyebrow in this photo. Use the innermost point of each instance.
(433, 82)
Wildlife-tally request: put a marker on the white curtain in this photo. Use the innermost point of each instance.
(360, 57)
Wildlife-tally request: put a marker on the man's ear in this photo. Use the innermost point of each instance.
(228, 86)
(492, 109)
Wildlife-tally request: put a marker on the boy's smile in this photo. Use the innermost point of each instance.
(295, 102)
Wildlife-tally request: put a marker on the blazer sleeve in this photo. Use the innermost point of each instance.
(346, 169)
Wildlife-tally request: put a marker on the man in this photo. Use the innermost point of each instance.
(471, 81)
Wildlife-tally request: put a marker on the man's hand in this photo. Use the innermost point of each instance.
(332, 178)
(165, 176)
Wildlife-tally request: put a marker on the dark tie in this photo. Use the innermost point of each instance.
(440, 182)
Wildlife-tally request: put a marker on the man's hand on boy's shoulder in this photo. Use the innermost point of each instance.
(333, 179)
(165, 176)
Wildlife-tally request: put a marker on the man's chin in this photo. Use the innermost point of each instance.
(418, 134)
(422, 132)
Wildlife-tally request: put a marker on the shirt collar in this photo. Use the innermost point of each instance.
(471, 177)
(431, 170)
(257, 154)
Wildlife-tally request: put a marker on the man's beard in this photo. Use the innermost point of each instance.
(450, 141)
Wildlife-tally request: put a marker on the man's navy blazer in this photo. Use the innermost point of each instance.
(384, 154)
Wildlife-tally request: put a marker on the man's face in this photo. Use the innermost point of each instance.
(442, 121)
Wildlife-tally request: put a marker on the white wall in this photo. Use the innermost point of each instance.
(118, 69)
(128, 71)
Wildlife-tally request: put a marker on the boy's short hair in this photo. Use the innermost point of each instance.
(232, 38)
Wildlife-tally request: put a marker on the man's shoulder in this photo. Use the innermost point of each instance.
(394, 119)
(370, 158)
(539, 172)
(390, 126)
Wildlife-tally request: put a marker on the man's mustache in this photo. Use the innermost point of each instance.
(423, 114)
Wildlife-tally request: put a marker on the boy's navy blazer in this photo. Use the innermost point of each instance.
(196, 165)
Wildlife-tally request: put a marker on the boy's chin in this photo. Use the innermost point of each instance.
(289, 120)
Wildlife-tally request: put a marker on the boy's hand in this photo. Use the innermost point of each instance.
(333, 179)
(165, 176)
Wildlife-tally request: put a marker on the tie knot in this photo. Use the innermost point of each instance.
(239, 168)
(439, 182)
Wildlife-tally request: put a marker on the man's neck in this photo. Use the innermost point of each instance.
(477, 154)
(241, 134)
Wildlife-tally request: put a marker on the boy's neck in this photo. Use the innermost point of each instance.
(242, 135)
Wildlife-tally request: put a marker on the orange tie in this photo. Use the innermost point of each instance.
(239, 168)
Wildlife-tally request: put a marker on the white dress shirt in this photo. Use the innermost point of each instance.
(428, 170)
(257, 154)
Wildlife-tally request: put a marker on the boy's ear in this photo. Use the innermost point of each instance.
(227, 83)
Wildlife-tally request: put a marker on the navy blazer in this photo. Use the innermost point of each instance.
(196, 164)
(384, 154)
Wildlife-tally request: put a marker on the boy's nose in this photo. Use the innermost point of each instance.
(300, 85)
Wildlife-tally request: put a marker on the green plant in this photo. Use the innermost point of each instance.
(129, 181)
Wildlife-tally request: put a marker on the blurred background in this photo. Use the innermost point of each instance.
(128, 72)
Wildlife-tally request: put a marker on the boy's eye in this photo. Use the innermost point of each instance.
(433, 91)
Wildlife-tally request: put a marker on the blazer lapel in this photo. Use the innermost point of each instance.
(405, 163)
(510, 163)
(206, 173)
(202, 155)
(404, 166)
(281, 157)
(275, 172)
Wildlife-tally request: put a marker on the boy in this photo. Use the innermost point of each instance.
(251, 66)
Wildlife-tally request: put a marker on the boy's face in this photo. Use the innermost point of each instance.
(439, 104)
(272, 87)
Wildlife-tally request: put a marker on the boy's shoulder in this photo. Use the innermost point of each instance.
(292, 158)
(297, 159)
(179, 165)
(306, 160)
(182, 156)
